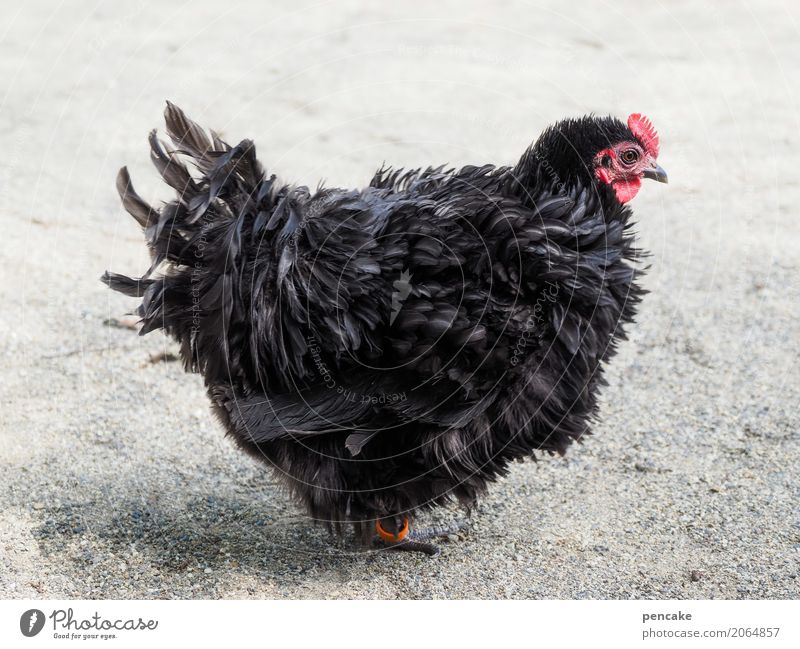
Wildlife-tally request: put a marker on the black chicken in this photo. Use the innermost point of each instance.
(392, 349)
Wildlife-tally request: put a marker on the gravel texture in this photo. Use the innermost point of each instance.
(118, 484)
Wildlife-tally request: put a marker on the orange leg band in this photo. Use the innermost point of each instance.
(388, 536)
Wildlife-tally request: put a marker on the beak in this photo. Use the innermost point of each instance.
(656, 173)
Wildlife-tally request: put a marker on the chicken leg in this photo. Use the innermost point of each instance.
(394, 534)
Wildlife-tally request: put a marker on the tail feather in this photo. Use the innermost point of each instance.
(199, 296)
(133, 203)
(125, 285)
(189, 137)
(243, 268)
(171, 169)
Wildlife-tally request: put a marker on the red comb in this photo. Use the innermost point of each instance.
(644, 131)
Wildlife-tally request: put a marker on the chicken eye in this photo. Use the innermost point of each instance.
(629, 156)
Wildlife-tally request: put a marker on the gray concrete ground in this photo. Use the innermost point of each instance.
(116, 482)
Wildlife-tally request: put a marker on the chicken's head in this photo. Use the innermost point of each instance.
(623, 164)
(603, 150)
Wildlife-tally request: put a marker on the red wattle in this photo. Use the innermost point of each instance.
(625, 190)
